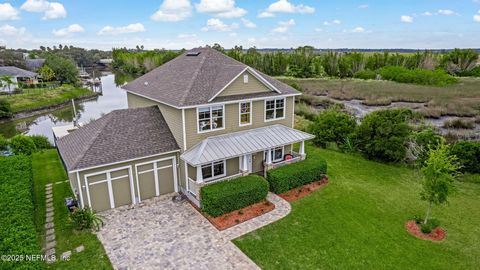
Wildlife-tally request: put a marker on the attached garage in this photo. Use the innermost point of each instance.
(123, 158)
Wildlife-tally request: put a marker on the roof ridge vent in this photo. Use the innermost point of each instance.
(193, 53)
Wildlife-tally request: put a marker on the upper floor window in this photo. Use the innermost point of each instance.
(245, 113)
(245, 78)
(274, 109)
(210, 118)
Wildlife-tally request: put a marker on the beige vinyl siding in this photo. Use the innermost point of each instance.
(238, 87)
(123, 189)
(232, 122)
(172, 116)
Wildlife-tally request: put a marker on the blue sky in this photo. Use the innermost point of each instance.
(175, 24)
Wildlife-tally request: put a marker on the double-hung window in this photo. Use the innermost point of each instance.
(275, 154)
(210, 118)
(213, 170)
(274, 109)
(245, 111)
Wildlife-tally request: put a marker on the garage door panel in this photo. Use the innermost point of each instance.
(99, 196)
(121, 191)
(119, 173)
(166, 180)
(97, 178)
(164, 163)
(147, 185)
(145, 167)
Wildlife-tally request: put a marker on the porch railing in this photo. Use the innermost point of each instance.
(295, 158)
(193, 187)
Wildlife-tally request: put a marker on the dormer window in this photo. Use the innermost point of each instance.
(210, 118)
(245, 78)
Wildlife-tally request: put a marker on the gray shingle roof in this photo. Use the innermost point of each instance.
(16, 72)
(118, 136)
(34, 64)
(193, 80)
(243, 142)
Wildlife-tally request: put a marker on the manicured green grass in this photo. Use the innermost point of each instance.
(47, 168)
(39, 98)
(460, 99)
(357, 222)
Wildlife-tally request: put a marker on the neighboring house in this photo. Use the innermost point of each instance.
(201, 118)
(34, 64)
(17, 75)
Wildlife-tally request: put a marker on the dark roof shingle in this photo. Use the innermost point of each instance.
(118, 136)
(194, 80)
(16, 72)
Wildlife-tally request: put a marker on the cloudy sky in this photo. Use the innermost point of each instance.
(175, 24)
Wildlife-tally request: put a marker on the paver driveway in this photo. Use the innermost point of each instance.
(167, 235)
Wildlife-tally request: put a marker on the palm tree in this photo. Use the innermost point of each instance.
(7, 81)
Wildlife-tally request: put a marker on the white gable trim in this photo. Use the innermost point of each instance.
(252, 72)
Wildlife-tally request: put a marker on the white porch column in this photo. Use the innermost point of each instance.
(269, 156)
(302, 150)
(244, 167)
(199, 174)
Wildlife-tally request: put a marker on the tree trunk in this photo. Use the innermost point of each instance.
(428, 213)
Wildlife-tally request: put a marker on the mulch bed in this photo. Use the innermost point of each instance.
(305, 190)
(233, 218)
(437, 234)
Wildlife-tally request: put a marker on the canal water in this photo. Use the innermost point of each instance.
(113, 98)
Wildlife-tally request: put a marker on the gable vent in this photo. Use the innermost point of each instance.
(193, 53)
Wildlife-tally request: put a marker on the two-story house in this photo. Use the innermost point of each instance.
(200, 118)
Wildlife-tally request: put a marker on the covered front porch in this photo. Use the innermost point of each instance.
(228, 156)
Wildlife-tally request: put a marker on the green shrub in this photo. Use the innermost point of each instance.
(3, 143)
(468, 154)
(224, 197)
(22, 145)
(425, 140)
(85, 219)
(41, 142)
(18, 233)
(366, 74)
(417, 76)
(5, 109)
(297, 174)
(429, 226)
(383, 135)
(332, 126)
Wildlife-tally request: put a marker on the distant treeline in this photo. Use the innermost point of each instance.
(308, 62)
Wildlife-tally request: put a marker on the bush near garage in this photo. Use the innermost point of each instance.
(297, 174)
(17, 234)
(22, 145)
(41, 142)
(224, 197)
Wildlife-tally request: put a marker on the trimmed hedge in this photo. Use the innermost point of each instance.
(227, 196)
(294, 175)
(17, 234)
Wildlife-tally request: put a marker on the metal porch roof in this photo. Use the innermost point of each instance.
(242, 142)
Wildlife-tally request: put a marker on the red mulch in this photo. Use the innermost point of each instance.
(413, 228)
(233, 218)
(300, 192)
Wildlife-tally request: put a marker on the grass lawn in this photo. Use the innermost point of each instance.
(357, 222)
(457, 99)
(38, 98)
(47, 168)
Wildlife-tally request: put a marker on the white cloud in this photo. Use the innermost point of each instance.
(446, 12)
(476, 17)
(358, 30)
(283, 6)
(427, 13)
(218, 25)
(8, 30)
(220, 8)
(363, 6)
(7, 12)
(248, 24)
(406, 18)
(186, 36)
(51, 10)
(318, 30)
(284, 26)
(131, 28)
(173, 11)
(327, 23)
(67, 31)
